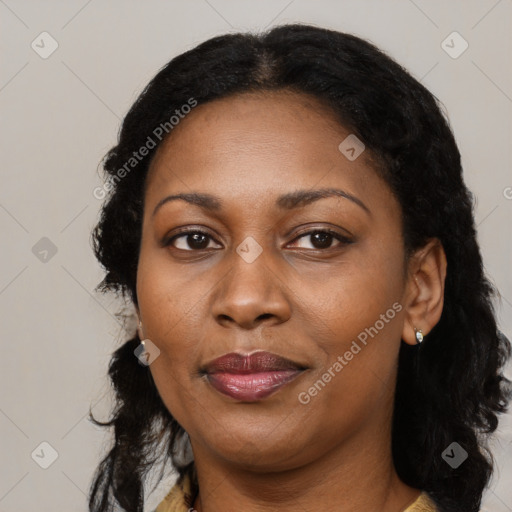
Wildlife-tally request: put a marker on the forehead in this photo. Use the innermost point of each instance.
(255, 144)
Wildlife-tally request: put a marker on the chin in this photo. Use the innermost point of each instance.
(259, 453)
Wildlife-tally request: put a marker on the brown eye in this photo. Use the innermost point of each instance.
(191, 241)
(322, 239)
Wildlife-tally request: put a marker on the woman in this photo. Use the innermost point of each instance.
(288, 216)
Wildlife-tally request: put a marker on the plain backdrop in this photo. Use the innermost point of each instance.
(61, 112)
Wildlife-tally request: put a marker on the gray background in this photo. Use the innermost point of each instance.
(60, 115)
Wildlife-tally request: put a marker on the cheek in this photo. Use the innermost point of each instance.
(356, 295)
(165, 301)
(357, 325)
(170, 313)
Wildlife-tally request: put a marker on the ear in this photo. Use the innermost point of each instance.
(425, 290)
(140, 332)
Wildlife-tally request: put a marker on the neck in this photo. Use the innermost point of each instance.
(356, 476)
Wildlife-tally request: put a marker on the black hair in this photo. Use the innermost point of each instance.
(449, 390)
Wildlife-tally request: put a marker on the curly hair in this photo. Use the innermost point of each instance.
(450, 389)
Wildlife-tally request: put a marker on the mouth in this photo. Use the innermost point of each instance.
(250, 378)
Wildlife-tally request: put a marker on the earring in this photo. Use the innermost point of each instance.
(143, 353)
(419, 335)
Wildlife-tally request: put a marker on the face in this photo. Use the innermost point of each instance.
(265, 263)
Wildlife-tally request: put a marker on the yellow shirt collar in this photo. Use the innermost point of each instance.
(179, 499)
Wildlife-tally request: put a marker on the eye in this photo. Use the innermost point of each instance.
(190, 240)
(196, 240)
(323, 239)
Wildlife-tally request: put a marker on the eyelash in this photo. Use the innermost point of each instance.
(185, 232)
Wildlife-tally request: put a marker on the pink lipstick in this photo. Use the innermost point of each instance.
(253, 377)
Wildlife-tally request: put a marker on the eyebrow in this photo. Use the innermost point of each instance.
(297, 199)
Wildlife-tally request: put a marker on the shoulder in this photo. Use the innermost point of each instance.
(179, 497)
(422, 504)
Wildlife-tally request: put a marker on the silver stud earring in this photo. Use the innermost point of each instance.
(419, 335)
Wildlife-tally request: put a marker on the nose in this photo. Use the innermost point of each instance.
(251, 294)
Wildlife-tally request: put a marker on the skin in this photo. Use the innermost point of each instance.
(299, 299)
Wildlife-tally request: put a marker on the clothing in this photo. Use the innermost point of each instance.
(180, 499)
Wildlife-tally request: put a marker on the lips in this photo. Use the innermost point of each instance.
(250, 378)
